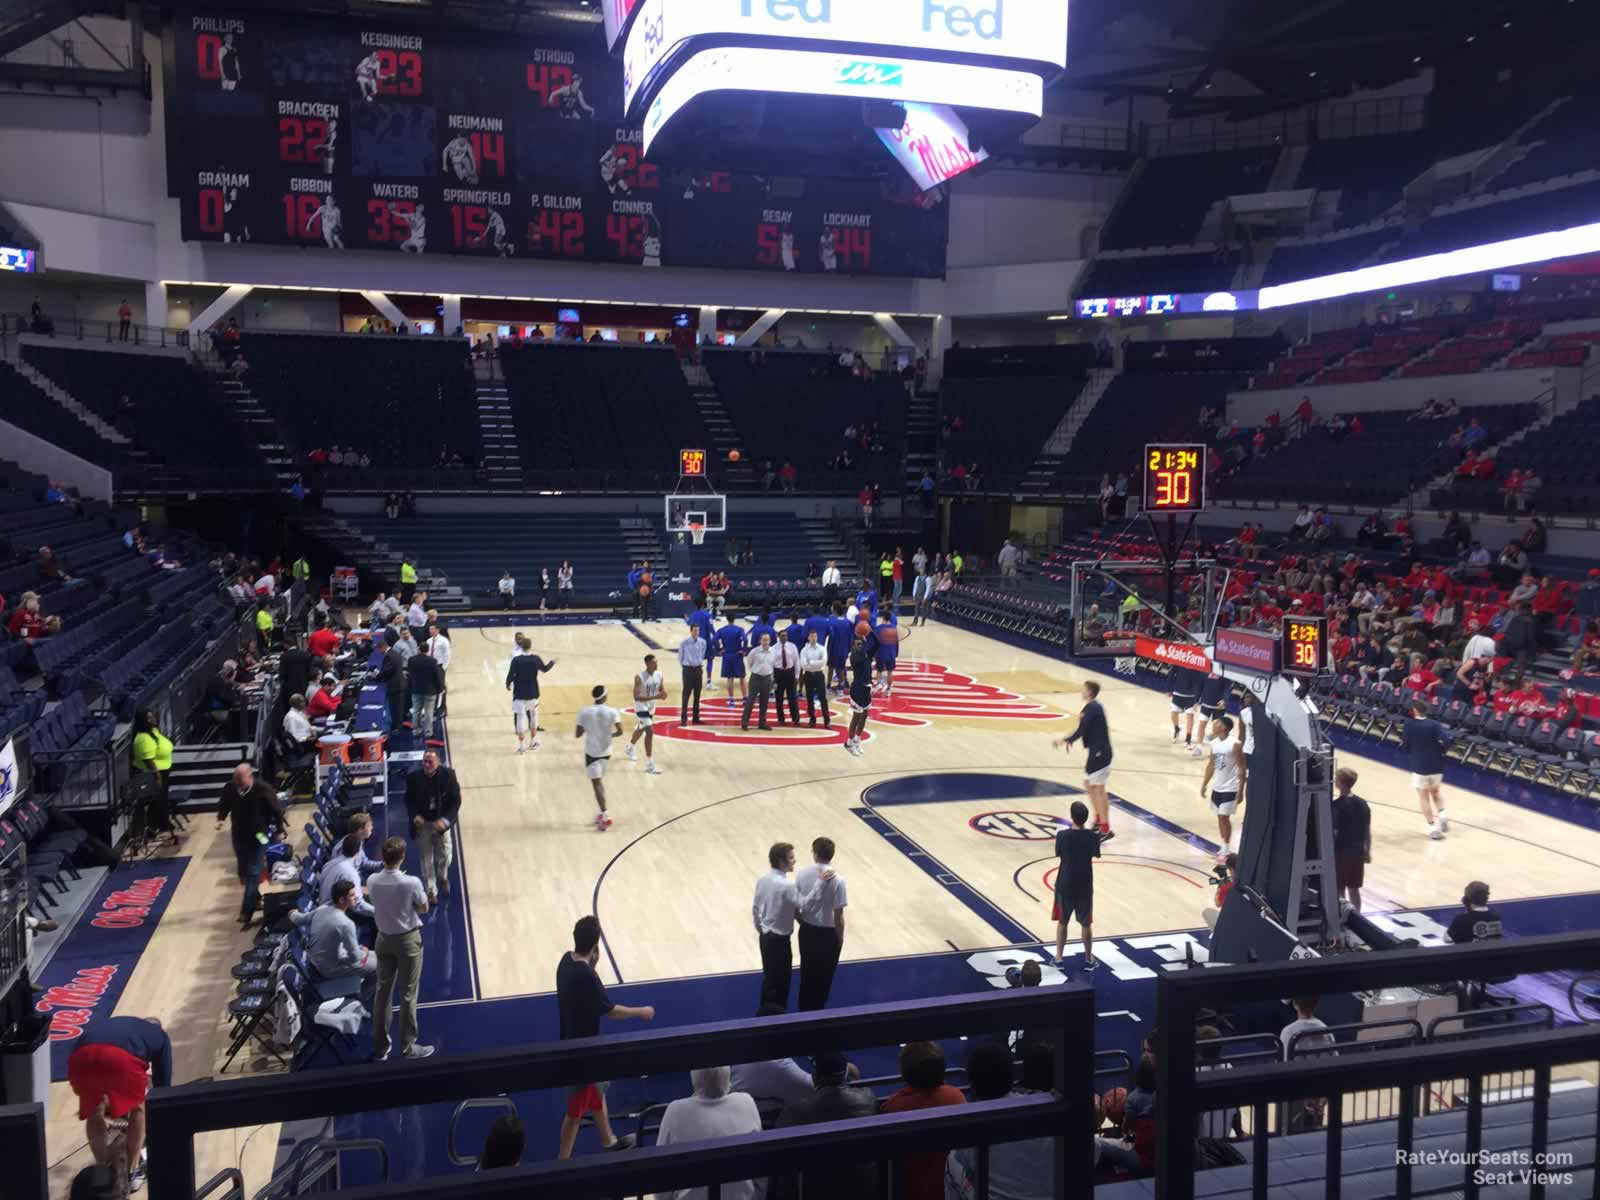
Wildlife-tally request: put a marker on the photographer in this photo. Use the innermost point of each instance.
(1223, 876)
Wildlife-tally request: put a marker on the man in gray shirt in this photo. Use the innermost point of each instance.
(759, 662)
(331, 943)
(821, 913)
(692, 662)
(398, 902)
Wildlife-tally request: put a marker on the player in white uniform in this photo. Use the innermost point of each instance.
(228, 63)
(648, 691)
(597, 725)
(828, 250)
(494, 234)
(417, 223)
(368, 72)
(788, 248)
(1225, 775)
(326, 150)
(609, 174)
(332, 222)
(570, 100)
(652, 243)
(460, 160)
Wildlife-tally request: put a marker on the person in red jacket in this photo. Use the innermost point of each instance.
(324, 701)
(322, 642)
(28, 623)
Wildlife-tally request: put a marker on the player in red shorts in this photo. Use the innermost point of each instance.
(110, 1070)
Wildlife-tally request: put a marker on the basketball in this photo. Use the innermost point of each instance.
(733, 456)
(1114, 1104)
(863, 628)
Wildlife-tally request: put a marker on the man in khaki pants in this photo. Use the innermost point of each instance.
(398, 903)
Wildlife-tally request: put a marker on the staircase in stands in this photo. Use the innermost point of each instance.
(719, 427)
(922, 440)
(381, 564)
(502, 456)
(1041, 475)
(69, 402)
(259, 425)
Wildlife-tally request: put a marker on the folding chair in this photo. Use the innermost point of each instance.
(249, 1011)
(313, 1033)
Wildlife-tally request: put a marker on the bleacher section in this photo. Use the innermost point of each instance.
(399, 400)
(1508, 217)
(1563, 455)
(1141, 408)
(1392, 457)
(1307, 260)
(1037, 392)
(1367, 172)
(173, 417)
(1167, 203)
(795, 407)
(599, 415)
(27, 407)
(472, 549)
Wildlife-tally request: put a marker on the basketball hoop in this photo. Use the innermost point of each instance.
(697, 532)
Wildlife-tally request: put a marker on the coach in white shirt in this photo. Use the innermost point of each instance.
(821, 913)
(773, 911)
(832, 581)
(759, 663)
(417, 614)
(814, 678)
(508, 591)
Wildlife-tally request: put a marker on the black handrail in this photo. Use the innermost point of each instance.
(232, 1177)
(1182, 995)
(177, 1114)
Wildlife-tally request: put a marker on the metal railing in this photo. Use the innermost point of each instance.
(177, 1114)
(84, 329)
(1182, 996)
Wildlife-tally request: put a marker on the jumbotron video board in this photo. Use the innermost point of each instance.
(335, 135)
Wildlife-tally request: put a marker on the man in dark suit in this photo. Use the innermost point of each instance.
(392, 674)
(433, 801)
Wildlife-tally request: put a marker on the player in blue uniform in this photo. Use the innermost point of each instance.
(731, 645)
(1213, 704)
(796, 631)
(820, 624)
(1185, 699)
(886, 649)
(700, 621)
(841, 636)
(866, 602)
(763, 625)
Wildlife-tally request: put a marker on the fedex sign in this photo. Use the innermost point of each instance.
(1033, 31)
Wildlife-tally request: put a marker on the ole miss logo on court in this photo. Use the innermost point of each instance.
(922, 691)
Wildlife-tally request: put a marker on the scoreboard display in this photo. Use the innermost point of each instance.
(1174, 479)
(293, 131)
(1305, 645)
(691, 464)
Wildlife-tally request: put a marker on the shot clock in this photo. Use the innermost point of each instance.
(1305, 645)
(1174, 479)
(691, 464)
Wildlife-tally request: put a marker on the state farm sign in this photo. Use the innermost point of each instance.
(1252, 651)
(1177, 654)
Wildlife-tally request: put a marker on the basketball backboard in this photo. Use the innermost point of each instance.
(706, 508)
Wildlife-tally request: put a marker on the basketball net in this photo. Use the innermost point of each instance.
(697, 532)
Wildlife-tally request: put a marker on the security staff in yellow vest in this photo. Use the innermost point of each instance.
(152, 751)
(264, 625)
(301, 572)
(408, 579)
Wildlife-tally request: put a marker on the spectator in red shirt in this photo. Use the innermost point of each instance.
(1259, 441)
(1422, 678)
(1357, 425)
(1511, 489)
(324, 701)
(1468, 466)
(922, 1067)
(28, 623)
(1250, 541)
(1549, 602)
(787, 475)
(322, 642)
(1306, 413)
(1273, 419)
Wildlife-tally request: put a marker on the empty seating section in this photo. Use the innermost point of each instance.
(30, 409)
(1299, 363)
(1205, 272)
(1537, 212)
(795, 407)
(1308, 260)
(1479, 347)
(397, 399)
(1559, 144)
(1557, 350)
(599, 414)
(1167, 202)
(1005, 443)
(1137, 409)
(1369, 173)
(173, 415)
(1393, 456)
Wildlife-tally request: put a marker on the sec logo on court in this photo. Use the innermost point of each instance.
(1018, 826)
(923, 692)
